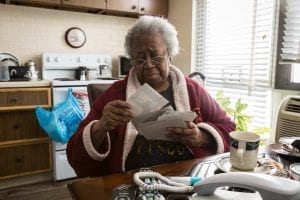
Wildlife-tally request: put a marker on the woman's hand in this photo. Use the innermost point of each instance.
(190, 136)
(115, 113)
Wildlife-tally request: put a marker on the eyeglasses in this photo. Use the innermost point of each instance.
(157, 60)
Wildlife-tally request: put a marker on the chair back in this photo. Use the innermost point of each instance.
(199, 77)
(96, 89)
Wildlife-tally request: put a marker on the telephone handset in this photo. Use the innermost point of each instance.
(268, 187)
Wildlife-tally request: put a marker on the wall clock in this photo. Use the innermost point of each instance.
(75, 37)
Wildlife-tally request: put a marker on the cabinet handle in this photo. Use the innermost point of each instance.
(16, 126)
(142, 9)
(19, 160)
(14, 100)
(133, 7)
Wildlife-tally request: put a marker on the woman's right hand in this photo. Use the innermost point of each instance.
(115, 113)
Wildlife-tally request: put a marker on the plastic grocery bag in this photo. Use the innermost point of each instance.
(61, 123)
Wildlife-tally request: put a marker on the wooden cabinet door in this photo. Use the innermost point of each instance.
(23, 159)
(98, 4)
(153, 7)
(24, 98)
(20, 126)
(123, 6)
(24, 147)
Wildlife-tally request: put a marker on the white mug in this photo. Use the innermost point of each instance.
(244, 149)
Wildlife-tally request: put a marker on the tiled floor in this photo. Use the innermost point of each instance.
(40, 191)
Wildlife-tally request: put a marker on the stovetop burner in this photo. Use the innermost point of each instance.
(65, 79)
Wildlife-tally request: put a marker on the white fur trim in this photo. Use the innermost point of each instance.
(88, 145)
(215, 134)
(179, 89)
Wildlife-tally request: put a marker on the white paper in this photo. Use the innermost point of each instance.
(152, 118)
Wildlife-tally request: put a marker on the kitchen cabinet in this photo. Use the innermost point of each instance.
(153, 7)
(24, 147)
(140, 7)
(111, 7)
(94, 4)
(46, 2)
(131, 6)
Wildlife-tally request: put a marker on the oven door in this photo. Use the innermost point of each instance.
(62, 169)
(80, 92)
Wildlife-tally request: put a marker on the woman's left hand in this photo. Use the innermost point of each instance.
(190, 136)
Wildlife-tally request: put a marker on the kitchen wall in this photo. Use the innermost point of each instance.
(181, 15)
(26, 32)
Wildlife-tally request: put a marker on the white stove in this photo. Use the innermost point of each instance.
(61, 69)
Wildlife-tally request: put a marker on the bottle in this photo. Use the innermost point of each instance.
(82, 75)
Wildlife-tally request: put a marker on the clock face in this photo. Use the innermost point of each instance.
(75, 37)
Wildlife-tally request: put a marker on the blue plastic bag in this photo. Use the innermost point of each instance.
(62, 122)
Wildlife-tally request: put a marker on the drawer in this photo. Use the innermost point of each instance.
(19, 125)
(24, 98)
(25, 159)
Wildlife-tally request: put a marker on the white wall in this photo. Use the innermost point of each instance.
(181, 16)
(26, 32)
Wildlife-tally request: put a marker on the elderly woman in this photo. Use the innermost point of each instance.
(107, 142)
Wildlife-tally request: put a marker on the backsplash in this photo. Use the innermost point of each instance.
(27, 32)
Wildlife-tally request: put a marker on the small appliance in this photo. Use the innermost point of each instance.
(7, 60)
(288, 118)
(124, 66)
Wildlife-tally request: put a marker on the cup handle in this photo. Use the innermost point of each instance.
(240, 153)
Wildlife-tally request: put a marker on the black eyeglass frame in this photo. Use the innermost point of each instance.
(157, 60)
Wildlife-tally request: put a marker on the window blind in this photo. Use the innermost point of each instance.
(234, 49)
(291, 33)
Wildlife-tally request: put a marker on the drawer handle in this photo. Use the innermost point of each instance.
(19, 160)
(14, 100)
(16, 126)
(133, 7)
(142, 9)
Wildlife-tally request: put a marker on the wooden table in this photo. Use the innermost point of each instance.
(102, 187)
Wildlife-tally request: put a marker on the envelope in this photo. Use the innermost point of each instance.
(153, 116)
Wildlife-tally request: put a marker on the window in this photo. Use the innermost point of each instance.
(235, 40)
(288, 49)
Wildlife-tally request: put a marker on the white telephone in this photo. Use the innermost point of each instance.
(266, 187)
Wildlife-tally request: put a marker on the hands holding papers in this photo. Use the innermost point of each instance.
(151, 118)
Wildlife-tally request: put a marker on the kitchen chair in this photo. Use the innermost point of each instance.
(96, 89)
(198, 76)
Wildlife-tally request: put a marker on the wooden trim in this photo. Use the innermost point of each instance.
(23, 142)
(26, 173)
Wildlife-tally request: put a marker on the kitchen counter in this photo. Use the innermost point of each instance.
(12, 84)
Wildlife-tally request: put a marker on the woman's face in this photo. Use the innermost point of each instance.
(153, 71)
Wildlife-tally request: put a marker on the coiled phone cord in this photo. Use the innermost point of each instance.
(165, 185)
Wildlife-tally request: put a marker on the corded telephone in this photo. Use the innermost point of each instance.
(266, 187)
(263, 187)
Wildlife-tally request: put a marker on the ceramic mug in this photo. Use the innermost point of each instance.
(244, 149)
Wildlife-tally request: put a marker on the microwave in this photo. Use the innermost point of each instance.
(124, 66)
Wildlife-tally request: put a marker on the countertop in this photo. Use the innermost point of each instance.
(13, 84)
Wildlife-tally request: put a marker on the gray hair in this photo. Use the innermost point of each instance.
(153, 25)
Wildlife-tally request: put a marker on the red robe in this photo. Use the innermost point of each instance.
(209, 117)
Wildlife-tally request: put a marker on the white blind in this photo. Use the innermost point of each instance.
(291, 34)
(235, 50)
